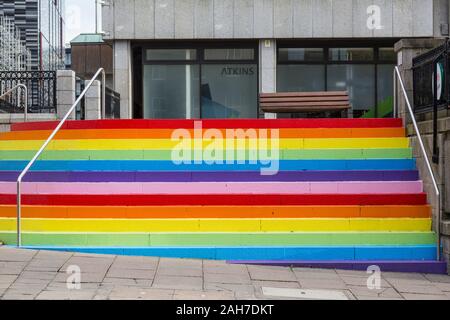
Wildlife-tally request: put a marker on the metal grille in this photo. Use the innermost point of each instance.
(112, 104)
(80, 110)
(41, 88)
(424, 69)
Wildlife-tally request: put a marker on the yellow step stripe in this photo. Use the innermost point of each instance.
(217, 225)
(165, 144)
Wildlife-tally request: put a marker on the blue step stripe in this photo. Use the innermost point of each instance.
(285, 165)
(350, 253)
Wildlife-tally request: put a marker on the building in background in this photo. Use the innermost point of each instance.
(211, 59)
(41, 25)
(88, 53)
(14, 55)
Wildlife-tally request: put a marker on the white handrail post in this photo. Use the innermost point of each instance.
(398, 77)
(395, 109)
(39, 152)
(103, 94)
(17, 87)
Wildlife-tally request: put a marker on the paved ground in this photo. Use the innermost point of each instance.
(26, 274)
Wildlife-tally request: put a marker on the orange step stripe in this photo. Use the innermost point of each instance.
(166, 133)
(181, 212)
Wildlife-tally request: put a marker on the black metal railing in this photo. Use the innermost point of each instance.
(41, 88)
(431, 86)
(430, 68)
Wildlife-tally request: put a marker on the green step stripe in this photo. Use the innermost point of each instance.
(326, 154)
(220, 239)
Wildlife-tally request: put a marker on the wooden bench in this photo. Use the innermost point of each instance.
(305, 102)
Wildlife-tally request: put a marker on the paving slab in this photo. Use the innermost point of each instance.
(66, 295)
(46, 263)
(138, 293)
(352, 273)
(221, 267)
(412, 296)
(85, 277)
(238, 289)
(277, 284)
(445, 287)
(28, 288)
(5, 278)
(203, 295)
(187, 271)
(25, 292)
(177, 282)
(12, 267)
(28, 274)
(185, 263)
(130, 273)
(37, 275)
(322, 284)
(134, 265)
(363, 298)
(301, 275)
(362, 281)
(227, 278)
(438, 278)
(63, 286)
(361, 292)
(270, 274)
(419, 289)
(15, 255)
(17, 296)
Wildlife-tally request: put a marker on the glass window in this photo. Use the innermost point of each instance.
(300, 78)
(387, 54)
(385, 90)
(170, 54)
(229, 54)
(301, 54)
(351, 54)
(171, 91)
(358, 80)
(229, 91)
(45, 19)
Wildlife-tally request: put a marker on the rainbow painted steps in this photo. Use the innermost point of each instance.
(347, 192)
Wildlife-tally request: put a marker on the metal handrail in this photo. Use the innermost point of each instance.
(46, 143)
(398, 77)
(24, 87)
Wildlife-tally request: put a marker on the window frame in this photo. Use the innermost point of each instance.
(327, 45)
(200, 46)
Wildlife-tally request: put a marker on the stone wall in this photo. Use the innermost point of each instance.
(442, 169)
(407, 49)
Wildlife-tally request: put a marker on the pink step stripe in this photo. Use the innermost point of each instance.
(402, 187)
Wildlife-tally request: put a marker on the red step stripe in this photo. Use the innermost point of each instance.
(249, 199)
(219, 124)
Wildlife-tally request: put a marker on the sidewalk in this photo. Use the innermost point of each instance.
(27, 274)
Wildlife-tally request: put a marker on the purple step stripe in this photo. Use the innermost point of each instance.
(134, 176)
(430, 267)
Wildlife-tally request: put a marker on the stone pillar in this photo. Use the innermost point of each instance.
(65, 93)
(122, 77)
(268, 69)
(93, 101)
(406, 50)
